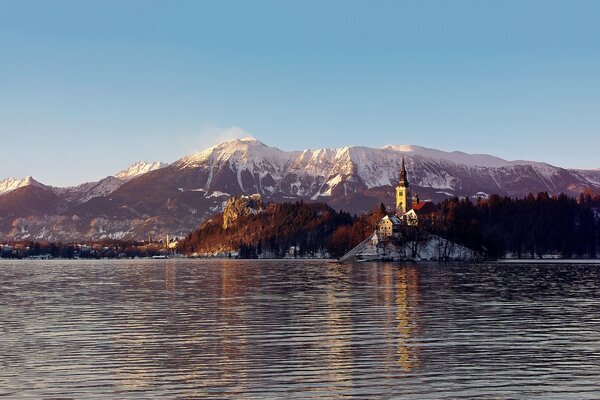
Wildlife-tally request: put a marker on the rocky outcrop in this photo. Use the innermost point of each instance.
(241, 206)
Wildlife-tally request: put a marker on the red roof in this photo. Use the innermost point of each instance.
(424, 207)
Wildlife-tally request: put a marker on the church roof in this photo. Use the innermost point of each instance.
(424, 207)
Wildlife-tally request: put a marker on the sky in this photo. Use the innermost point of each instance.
(88, 87)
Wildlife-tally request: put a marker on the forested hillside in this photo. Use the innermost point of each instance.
(279, 227)
(533, 226)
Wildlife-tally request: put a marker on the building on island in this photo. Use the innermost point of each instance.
(404, 235)
(374, 239)
(410, 211)
(388, 226)
(425, 210)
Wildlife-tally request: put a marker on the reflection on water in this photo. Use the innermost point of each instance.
(304, 329)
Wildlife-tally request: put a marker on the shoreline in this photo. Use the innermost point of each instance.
(547, 261)
(505, 261)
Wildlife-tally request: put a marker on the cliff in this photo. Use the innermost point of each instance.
(241, 206)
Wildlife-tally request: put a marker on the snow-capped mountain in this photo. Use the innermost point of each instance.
(9, 184)
(138, 168)
(244, 158)
(89, 190)
(153, 199)
(248, 166)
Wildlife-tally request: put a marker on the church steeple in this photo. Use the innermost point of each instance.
(403, 180)
(402, 193)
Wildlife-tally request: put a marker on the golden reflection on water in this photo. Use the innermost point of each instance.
(338, 327)
(407, 303)
(399, 293)
(233, 317)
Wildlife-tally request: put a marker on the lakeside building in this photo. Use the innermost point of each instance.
(389, 226)
(396, 236)
(410, 211)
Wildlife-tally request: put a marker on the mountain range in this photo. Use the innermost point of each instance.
(157, 199)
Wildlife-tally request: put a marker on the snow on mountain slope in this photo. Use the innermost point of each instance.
(138, 168)
(457, 157)
(319, 173)
(592, 176)
(259, 161)
(86, 191)
(243, 153)
(9, 184)
(89, 190)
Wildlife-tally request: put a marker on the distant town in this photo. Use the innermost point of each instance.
(90, 250)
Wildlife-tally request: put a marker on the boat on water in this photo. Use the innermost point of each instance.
(160, 257)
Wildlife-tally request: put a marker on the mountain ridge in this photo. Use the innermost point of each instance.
(154, 199)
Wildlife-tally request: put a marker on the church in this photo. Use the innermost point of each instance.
(410, 211)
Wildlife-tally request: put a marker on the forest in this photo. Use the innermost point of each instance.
(307, 227)
(533, 226)
(530, 227)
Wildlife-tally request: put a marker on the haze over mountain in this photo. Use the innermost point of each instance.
(155, 199)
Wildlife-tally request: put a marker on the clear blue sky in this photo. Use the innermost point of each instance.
(86, 87)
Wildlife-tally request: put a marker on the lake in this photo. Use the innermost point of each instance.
(298, 329)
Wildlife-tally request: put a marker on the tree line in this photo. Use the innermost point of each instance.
(303, 228)
(532, 226)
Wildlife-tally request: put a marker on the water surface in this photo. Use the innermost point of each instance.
(298, 329)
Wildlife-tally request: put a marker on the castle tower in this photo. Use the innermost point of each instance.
(402, 193)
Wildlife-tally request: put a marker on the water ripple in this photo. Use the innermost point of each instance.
(246, 329)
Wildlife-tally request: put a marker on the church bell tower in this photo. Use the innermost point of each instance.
(402, 193)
